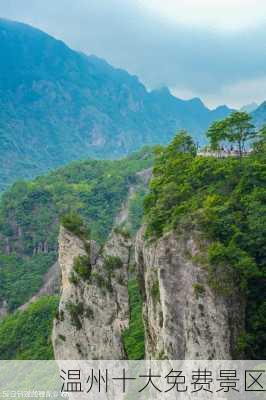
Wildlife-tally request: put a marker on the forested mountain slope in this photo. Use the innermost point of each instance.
(30, 213)
(58, 105)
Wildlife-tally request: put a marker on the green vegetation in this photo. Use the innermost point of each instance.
(112, 263)
(260, 143)
(133, 337)
(135, 213)
(82, 267)
(76, 312)
(224, 199)
(90, 191)
(20, 278)
(75, 224)
(236, 129)
(25, 335)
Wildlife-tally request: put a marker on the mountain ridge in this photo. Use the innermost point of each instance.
(58, 105)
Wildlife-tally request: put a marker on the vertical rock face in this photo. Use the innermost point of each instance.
(184, 317)
(94, 307)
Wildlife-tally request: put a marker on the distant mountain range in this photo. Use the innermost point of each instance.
(259, 115)
(249, 107)
(58, 105)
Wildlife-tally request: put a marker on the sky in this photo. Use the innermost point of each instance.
(212, 49)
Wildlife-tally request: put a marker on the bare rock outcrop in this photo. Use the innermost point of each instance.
(184, 317)
(94, 306)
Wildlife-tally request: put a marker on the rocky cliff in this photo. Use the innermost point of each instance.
(184, 317)
(94, 307)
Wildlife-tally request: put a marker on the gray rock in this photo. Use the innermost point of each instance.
(184, 317)
(92, 314)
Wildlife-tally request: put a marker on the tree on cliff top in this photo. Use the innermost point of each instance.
(236, 129)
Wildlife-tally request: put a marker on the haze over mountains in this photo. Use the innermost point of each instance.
(57, 105)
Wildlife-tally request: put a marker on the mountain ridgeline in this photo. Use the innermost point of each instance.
(58, 105)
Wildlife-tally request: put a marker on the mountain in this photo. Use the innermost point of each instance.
(259, 115)
(58, 105)
(249, 107)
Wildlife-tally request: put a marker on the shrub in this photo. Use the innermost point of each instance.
(73, 279)
(82, 267)
(74, 224)
(75, 312)
(112, 262)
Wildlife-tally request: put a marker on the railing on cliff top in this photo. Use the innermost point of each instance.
(223, 153)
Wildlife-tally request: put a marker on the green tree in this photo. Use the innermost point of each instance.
(260, 144)
(216, 134)
(239, 129)
(236, 129)
(182, 143)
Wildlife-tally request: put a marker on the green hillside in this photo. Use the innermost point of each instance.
(30, 212)
(25, 335)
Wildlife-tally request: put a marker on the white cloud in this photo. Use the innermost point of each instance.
(244, 91)
(234, 95)
(215, 14)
